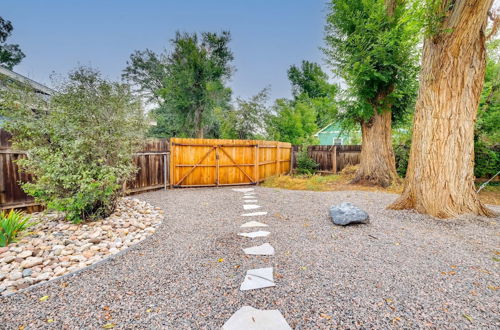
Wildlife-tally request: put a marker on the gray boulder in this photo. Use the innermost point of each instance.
(346, 213)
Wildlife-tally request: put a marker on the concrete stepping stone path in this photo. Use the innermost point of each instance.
(254, 214)
(249, 318)
(248, 197)
(251, 206)
(258, 278)
(261, 250)
(243, 190)
(254, 234)
(250, 201)
(253, 224)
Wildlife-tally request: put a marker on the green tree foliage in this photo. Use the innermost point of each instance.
(246, 120)
(80, 142)
(310, 84)
(305, 164)
(10, 54)
(375, 53)
(188, 83)
(293, 122)
(487, 133)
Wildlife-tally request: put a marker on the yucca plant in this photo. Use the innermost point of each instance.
(12, 226)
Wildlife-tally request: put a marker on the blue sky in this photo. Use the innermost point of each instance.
(268, 35)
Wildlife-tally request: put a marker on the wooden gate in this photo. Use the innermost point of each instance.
(208, 162)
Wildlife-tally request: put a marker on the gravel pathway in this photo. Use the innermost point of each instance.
(403, 270)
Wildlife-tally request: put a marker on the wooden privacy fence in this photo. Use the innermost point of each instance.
(163, 163)
(209, 162)
(331, 159)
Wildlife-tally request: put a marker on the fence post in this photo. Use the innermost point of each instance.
(278, 165)
(165, 171)
(257, 165)
(217, 165)
(334, 160)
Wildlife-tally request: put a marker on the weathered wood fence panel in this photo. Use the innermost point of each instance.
(331, 158)
(152, 163)
(211, 162)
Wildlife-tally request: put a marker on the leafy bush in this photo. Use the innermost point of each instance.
(80, 142)
(305, 164)
(402, 155)
(487, 160)
(12, 225)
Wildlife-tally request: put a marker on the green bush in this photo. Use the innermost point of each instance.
(305, 164)
(402, 155)
(80, 142)
(487, 160)
(12, 226)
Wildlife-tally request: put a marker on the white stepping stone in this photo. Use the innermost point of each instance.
(250, 201)
(261, 250)
(249, 197)
(249, 318)
(253, 234)
(253, 224)
(251, 207)
(243, 190)
(249, 193)
(258, 278)
(254, 214)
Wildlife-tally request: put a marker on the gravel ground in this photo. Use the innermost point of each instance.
(403, 270)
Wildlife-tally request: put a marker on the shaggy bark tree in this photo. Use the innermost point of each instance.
(440, 178)
(372, 45)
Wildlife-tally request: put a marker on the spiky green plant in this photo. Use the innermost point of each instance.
(13, 226)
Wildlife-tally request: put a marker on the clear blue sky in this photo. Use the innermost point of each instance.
(268, 35)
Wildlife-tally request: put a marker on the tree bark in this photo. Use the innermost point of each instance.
(377, 165)
(440, 176)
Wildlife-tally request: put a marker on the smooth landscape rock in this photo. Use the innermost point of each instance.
(258, 278)
(249, 318)
(346, 213)
(261, 250)
(54, 247)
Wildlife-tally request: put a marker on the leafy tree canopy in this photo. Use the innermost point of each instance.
(10, 54)
(373, 48)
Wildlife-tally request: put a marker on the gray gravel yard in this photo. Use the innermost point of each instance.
(403, 270)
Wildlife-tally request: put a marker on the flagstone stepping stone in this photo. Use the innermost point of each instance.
(253, 224)
(258, 278)
(243, 190)
(253, 234)
(249, 193)
(249, 197)
(250, 201)
(261, 250)
(254, 214)
(251, 207)
(249, 318)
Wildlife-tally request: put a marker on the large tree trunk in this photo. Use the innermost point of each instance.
(440, 176)
(377, 165)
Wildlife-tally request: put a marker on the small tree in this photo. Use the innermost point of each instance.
(79, 143)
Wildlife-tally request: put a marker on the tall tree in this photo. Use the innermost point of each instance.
(187, 84)
(293, 122)
(10, 54)
(195, 83)
(246, 120)
(310, 84)
(440, 178)
(372, 46)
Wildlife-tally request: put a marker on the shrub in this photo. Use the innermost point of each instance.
(402, 155)
(80, 142)
(487, 160)
(305, 164)
(12, 225)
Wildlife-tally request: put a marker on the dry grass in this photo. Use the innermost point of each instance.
(341, 181)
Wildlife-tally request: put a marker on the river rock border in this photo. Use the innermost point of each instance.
(55, 247)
